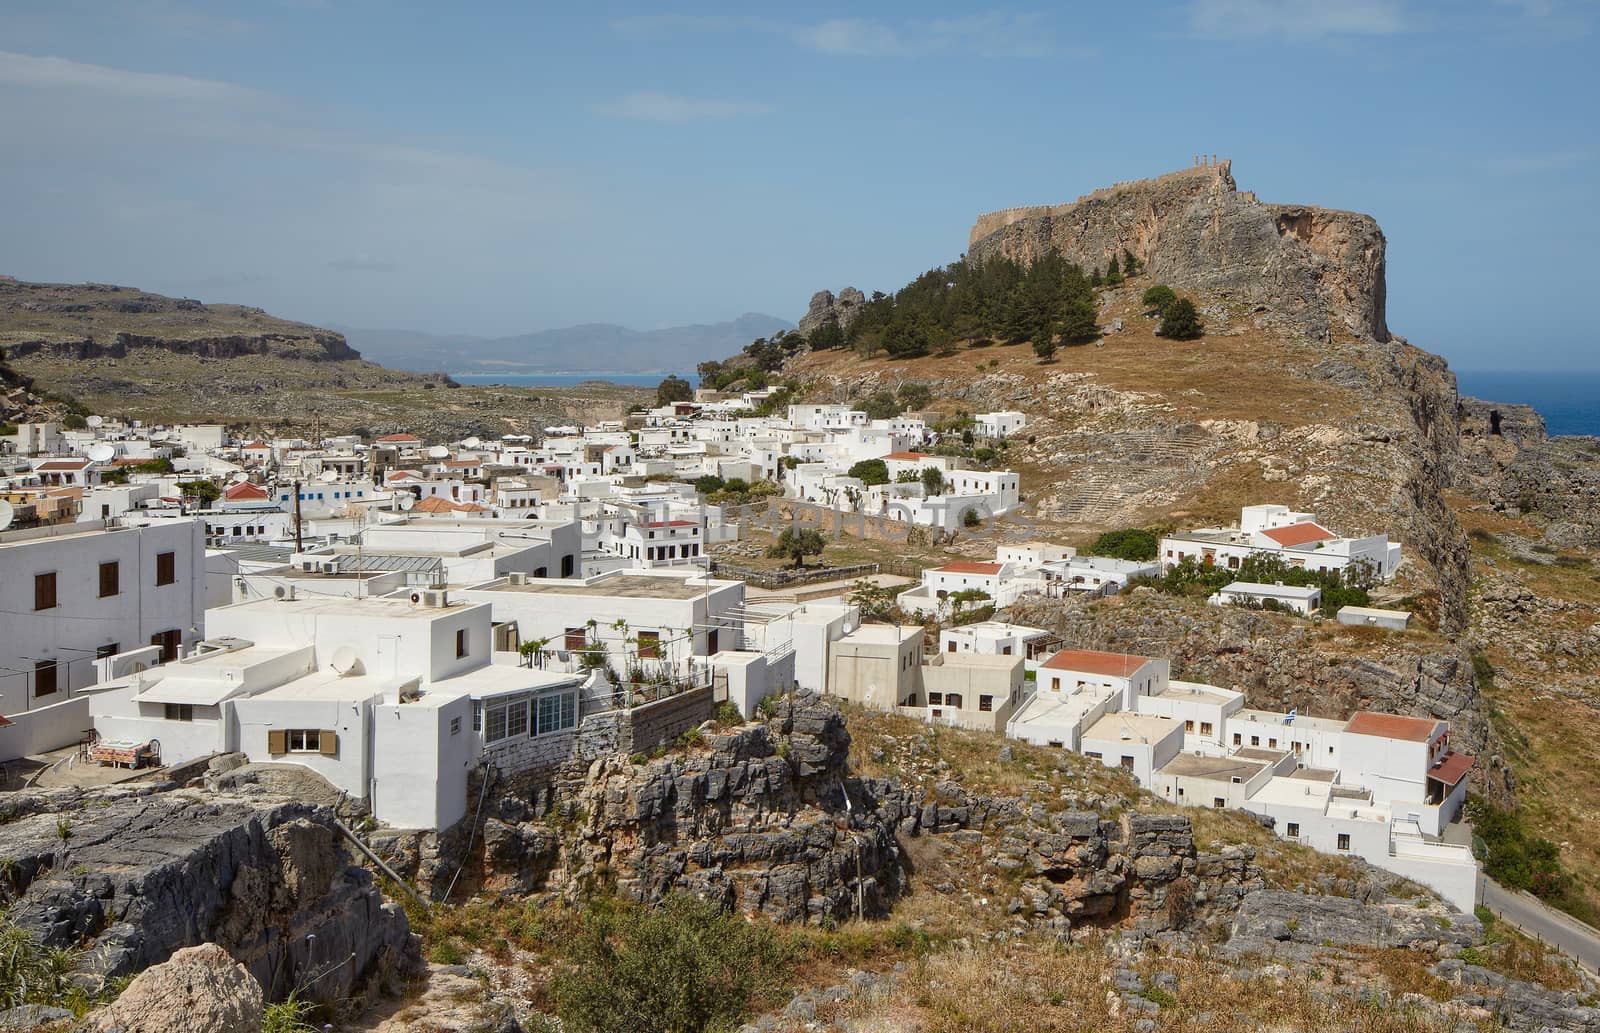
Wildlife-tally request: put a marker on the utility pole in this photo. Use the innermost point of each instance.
(298, 546)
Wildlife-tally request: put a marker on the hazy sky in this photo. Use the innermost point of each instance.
(494, 168)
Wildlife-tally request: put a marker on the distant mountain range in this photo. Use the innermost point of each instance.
(589, 348)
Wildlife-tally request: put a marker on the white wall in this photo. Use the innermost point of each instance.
(44, 729)
(420, 759)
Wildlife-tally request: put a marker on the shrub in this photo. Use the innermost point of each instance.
(674, 389)
(1157, 298)
(1180, 321)
(1045, 348)
(870, 472)
(1132, 543)
(970, 518)
(31, 973)
(727, 713)
(684, 964)
(289, 1016)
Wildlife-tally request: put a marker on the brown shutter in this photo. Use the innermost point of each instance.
(330, 742)
(278, 742)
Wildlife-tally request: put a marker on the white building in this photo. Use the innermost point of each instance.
(1302, 599)
(1270, 530)
(1100, 575)
(995, 425)
(391, 701)
(78, 591)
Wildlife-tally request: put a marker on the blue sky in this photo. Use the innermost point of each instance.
(506, 167)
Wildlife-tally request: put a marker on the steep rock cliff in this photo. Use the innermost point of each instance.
(1307, 269)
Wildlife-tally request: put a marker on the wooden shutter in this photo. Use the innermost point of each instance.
(329, 740)
(277, 741)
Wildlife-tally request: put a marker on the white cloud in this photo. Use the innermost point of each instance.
(33, 72)
(1296, 19)
(986, 35)
(649, 106)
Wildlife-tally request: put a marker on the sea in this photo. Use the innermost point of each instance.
(569, 379)
(1568, 401)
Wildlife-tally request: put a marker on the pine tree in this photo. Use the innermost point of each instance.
(1095, 279)
(1180, 321)
(1044, 346)
(1113, 272)
(1131, 266)
(1078, 321)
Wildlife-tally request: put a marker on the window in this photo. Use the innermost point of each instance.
(45, 678)
(179, 711)
(576, 638)
(1255, 740)
(1188, 726)
(455, 726)
(304, 740)
(1236, 780)
(953, 700)
(935, 699)
(167, 567)
(461, 643)
(1180, 791)
(566, 566)
(44, 591)
(1238, 740)
(1218, 802)
(109, 649)
(1127, 763)
(950, 647)
(477, 716)
(1293, 830)
(986, 703)
(557, 711)
(1344, 841)
(517, 718)
(1205, 727)
(110, 578)
(649, 645)
(1272, 743)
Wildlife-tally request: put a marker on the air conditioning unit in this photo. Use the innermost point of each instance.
(330, 567)
(309, 566)
(436, 597)
(519, 578)
(283, 592)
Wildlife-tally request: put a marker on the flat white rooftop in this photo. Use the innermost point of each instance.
(388, 607)
(1197, 692)
(1129, 727)
(1273, 717)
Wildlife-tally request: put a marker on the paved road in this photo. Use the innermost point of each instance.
(1529, 914)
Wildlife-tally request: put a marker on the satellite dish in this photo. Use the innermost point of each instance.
(406, 502)
(328, 476)
(472, 442)
(102, 452)
(345, 661)
(6, 514)
(240, 477)
(438, 452)
(95, 421)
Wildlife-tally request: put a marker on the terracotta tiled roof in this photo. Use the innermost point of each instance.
(1392, 726)
(244, 490)
(1089, 661)
(1452, 767)
(399, 437)
(969, 567)
(674, 523)
(1299, 534)
(435, 504)
(62, 464)
(907, 455)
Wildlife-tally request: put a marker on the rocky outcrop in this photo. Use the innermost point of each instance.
(198, 990)
(825, 306)
(767, 819)
(141, 875)
(1281, 662)
(1305, 268)
(1271, 918)
(313, 345)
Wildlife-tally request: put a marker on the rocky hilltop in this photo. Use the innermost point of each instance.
(1310, 269)
(92, 321)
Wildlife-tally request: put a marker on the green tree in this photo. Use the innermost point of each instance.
(913, 395)
(674, 389)
(1157, 298)
(1095, 279)
(1080, 321)
(74, 421)
(1044, 347)
(827, 335)
(206, 491)
(1131, 266)
(682, 966)
(870, 472)
(882, 406)
(797, 543)
(1133, 543)
(1113, 271)
(708, 484)
(932, 480)
(1180, 321)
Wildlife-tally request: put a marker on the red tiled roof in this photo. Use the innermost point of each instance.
(1392, 726)
(1452, 766)
(968, 567)
(244, 490)
(257, 445)
(907, 455)
(399, 437)
(62, 464)
(1299, 534)
(674, 523)
(1090, 661)
(435, 504)
(4, 721)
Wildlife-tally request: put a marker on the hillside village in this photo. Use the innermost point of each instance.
(807, 650)
(403, 618)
